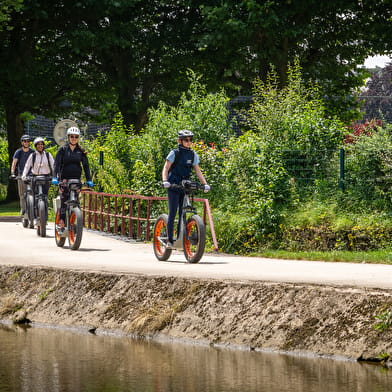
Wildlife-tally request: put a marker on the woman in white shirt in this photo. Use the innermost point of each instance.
(40, 163)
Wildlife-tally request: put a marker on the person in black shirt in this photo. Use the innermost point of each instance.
(18, 163)
(68, 165)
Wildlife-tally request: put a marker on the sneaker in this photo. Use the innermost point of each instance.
(169, 245)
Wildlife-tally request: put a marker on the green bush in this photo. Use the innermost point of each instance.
(258, 181)
(369, 170)
(292, 118)
(133, 163)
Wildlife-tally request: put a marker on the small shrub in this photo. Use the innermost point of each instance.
(384, 321)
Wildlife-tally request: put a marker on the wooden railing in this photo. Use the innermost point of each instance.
(132, 216)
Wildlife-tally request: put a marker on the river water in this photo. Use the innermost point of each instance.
(47, 359)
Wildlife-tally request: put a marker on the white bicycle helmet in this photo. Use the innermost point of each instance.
(184, 133)
(38, 139)
(73, 131)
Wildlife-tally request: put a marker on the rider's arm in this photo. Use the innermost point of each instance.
(86, 167)
(13, 165)
(15, 160)
(199, 174)
(58, 163)
(27, 166)
(51, 162)
(165, 170)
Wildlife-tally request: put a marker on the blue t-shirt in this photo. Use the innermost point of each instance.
(172, 156)
(22, 156)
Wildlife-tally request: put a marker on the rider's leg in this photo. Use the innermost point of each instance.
(64, 196)
(180, 201)
(173, 200)
(45, 189)
(21, 191)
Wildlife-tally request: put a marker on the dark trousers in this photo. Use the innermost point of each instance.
(175, 200)
(45, 191)
(64, 196)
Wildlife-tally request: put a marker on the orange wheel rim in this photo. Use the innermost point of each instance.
(56, 222)
(157, 233)
(72, 220)
(187, 241)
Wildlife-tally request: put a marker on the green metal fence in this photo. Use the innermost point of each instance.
(308, 168)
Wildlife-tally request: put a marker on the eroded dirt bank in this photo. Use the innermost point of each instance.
(322, 320)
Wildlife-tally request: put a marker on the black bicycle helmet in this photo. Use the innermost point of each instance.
(184, 133)
(25, 137)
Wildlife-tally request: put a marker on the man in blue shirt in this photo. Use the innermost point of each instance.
(18, 163)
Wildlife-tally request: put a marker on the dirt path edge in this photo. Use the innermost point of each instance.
(323, 320)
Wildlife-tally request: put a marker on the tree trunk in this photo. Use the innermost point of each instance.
(132, 116)
(15, 129)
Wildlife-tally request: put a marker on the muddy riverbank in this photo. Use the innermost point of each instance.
(333, 321)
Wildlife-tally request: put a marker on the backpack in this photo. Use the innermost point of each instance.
(47, 157)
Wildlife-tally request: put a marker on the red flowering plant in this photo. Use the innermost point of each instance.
(367, 128)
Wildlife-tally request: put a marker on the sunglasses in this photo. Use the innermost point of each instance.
(25, 141)
(187, 139)
(74, 136)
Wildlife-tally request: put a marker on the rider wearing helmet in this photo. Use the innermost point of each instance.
(68, 165)
(18, 163)
(73, 131)
(40, 163)
(178, 167)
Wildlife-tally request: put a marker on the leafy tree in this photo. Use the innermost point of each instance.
(143, 48)
(6, 8)
(377, 96)
(241, 40)
(38, 69)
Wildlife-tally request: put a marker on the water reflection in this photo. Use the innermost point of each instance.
(38, 359)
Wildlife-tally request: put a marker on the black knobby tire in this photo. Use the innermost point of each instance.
(194, 239)
(25, 222)
(60, 241)
(75, 228)
(162, 253)
(30, 210)
(42, 217)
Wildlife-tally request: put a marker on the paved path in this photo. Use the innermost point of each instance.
(99, 252)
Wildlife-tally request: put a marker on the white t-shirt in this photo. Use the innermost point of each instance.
(41, 164)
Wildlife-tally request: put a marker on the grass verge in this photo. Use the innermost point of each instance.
(12, 209)
(381, 256)
(9, 209)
